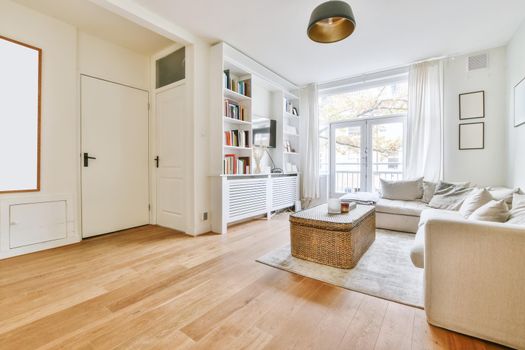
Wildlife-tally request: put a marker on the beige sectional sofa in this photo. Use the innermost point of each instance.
(474, 276)
(391, 214)
(474, 270)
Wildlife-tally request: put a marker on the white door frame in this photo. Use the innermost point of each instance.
(153, 121)
(80, 163)
(366, 125)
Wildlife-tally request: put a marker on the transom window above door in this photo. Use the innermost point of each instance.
(362, 132)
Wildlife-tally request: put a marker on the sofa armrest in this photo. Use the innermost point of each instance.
(475, 279)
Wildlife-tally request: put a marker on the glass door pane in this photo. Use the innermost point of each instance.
(347, 152)
(386, 152)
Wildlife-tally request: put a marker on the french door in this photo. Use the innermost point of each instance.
(363, 151)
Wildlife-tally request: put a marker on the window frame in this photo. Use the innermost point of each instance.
(38, 119)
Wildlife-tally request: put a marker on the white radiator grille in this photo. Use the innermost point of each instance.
(284, 192)
(246, 198)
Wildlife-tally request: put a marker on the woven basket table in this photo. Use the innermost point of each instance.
(337, 240)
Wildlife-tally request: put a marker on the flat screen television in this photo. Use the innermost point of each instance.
(264, 133)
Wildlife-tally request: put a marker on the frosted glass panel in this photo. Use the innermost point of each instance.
(19, 116)
(171, 68)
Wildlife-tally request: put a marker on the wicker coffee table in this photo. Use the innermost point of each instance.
(337, 240)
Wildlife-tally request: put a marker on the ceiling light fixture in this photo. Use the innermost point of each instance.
(330, 22)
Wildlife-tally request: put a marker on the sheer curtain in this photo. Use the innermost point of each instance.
(424, 156)
(309, 112)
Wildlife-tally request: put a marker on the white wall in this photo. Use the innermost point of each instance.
(59, 143)
(197, 70)
(103, 59)
(482, 167)
(516, 136)
(67, 53)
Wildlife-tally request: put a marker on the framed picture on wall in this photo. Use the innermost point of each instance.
(519, 103)
(472, 105)
(472, 136)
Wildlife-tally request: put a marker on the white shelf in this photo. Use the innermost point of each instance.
(232, 95)
(290, 134)
(291, 153)
(237, 147)
(236, 121)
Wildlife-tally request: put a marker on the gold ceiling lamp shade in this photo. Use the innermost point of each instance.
(330, 22)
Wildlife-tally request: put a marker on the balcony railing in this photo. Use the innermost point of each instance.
(350, 180)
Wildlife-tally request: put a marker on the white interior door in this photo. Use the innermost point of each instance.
(115, 137)
(171, 118)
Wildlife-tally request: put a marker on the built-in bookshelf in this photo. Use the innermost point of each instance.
(246, 99)
(244, 95)
(291, 133)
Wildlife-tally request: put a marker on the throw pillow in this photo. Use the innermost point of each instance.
(517, 214)
(476, 199)
(499, 193)
(428, 191)
(407, 190)
(449, 196)
(496, 211)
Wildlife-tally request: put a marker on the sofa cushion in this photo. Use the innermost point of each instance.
(477, 198)
(517, 214)
(428, 191)
(398, 207)
(499, 193)
(449, 196)
(402, 190)
(495, 211)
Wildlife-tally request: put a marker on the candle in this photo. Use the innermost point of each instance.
(334, 206)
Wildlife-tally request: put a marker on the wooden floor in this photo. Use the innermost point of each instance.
(151, 287)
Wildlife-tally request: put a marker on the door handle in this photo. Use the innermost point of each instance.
(86, 159)
(157, 161)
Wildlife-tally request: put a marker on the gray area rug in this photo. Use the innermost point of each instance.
(384, 271)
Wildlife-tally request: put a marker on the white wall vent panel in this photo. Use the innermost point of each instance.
(247, 198)
(477, 62)
(284, 192)
(33, 223)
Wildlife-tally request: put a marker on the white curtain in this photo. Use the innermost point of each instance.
(424, 156)
(309, 112)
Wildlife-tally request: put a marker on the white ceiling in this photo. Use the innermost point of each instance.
(100, 22)
(389, 33)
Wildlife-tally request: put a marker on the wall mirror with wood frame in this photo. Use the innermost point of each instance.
(20, 106)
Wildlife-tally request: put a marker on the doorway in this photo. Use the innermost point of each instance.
(171, 118)
(114, 146)
(364, 151)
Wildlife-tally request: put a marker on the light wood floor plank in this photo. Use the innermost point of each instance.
(154, 288)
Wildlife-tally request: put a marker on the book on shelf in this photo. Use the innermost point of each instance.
(233, 110)
(243, 165)
(242, 87)
(233, 165)
(230, 164)
(237, 138)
